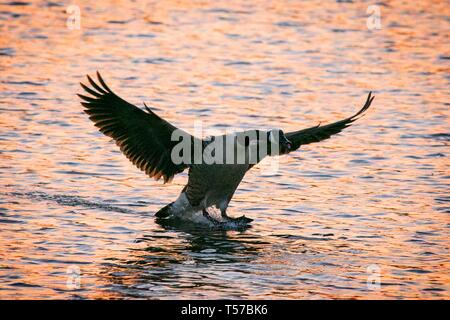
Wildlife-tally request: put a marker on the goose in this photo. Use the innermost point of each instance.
(147, 140)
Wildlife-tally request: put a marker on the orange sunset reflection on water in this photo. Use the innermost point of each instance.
(370, 203)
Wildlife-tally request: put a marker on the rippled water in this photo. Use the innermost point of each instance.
(373, 201)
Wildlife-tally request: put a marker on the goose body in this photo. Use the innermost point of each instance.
(148, 142)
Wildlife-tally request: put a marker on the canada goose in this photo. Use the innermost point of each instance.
(148, 142)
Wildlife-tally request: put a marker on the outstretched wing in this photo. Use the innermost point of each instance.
(143, 137)
(319, 133)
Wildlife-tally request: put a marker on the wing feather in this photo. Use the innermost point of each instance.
(143, 137)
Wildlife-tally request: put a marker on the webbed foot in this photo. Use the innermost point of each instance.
(240, 220)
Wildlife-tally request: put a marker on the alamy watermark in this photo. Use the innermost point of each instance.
(373, 277)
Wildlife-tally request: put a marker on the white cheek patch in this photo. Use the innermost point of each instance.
(274, 137)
